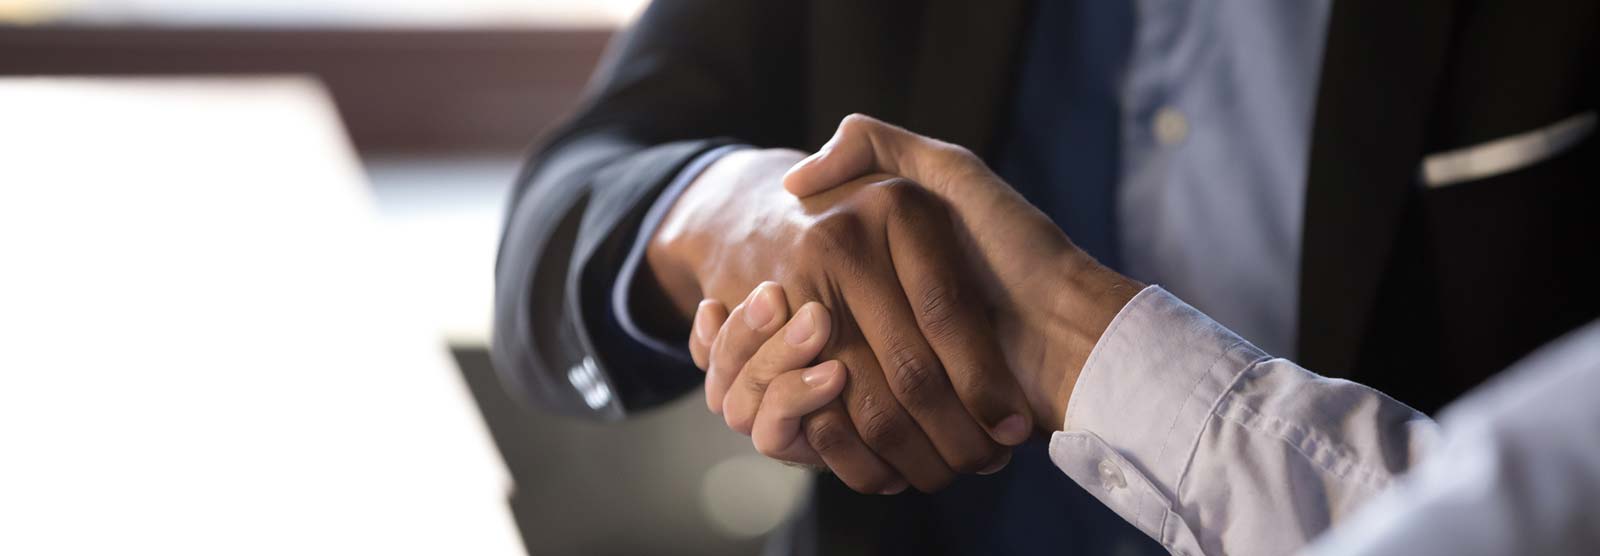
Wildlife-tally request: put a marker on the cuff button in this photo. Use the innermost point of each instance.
(1111, 475)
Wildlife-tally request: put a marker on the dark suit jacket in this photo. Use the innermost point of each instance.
(1419, 292)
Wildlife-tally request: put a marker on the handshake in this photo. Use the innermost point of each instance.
(950, 317)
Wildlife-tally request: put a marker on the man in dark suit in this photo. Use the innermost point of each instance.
(1411, 183)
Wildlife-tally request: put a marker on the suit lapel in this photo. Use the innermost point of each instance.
(965, 70)
(1380, 72)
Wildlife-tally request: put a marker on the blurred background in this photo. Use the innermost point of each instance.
(398, 126)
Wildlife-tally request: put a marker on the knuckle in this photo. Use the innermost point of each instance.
(937, 308)
(753, 385)
(836, 235)
(856, 122)
(882, 430)
(914, 377)
(902, 193)
(964, 166)
(960, 155)
(827, 432)
(955, 157)
(758, 372)
(910, 204)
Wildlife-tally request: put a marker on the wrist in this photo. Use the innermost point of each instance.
(675, 252)
(699, 248)
(1083, 298)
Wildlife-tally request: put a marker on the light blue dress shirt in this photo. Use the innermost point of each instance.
(1170, 140)
(1216, 114)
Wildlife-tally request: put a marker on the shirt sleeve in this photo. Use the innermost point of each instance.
(621, 292)
(1211, 446)
(1515, 472)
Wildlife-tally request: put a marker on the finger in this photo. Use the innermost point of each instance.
(832, 434)
(880, 421)
(793, 347)
(789, 397)
(944, 300)
(915, 377)
(863, 145)
(998, 220)
(748, 326)
(708, 319)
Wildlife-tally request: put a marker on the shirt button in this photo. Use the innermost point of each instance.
(1171, 127)
(1110, 475)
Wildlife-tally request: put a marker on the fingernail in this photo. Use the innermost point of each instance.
(1012, 430)
(998, 464)
(894, 489)
(816, 376)
(758, 310)
(802, 327)
(705, 327)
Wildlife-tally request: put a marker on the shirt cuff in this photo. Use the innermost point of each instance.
(620, 301)
(1141, 403)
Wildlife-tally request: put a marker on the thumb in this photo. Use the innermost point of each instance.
(862, 145)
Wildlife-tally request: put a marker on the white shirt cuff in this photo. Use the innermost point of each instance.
(1140, 404)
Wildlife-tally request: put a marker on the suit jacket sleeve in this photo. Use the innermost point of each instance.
(688, 77)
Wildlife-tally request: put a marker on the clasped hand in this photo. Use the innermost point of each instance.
(950, 316)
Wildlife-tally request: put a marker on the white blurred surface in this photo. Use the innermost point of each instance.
(447, 212)
(747, 496)
(205, 345)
